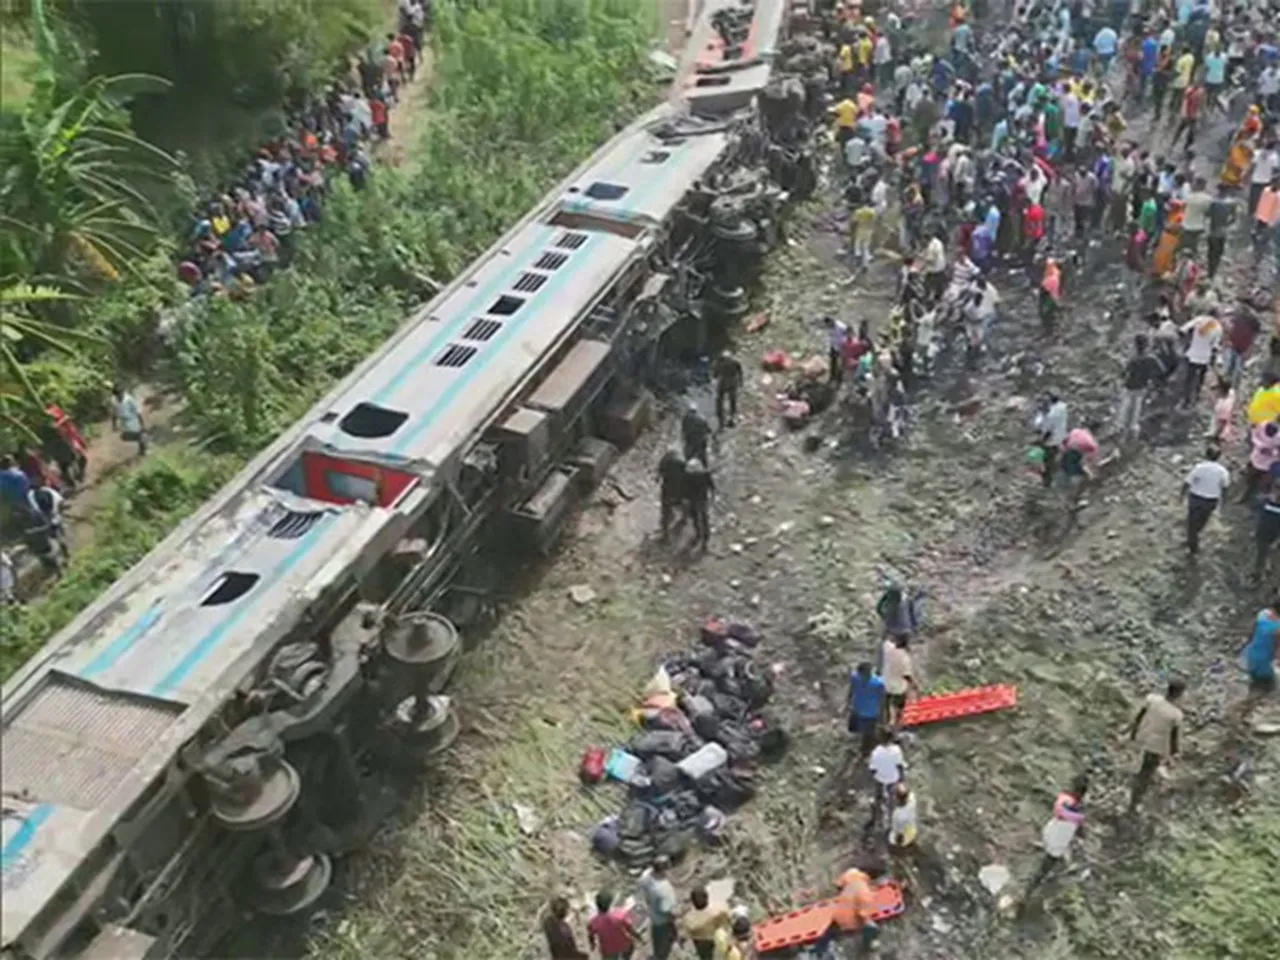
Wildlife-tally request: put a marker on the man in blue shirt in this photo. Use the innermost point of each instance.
(14, 491)
(1150, 54)
(866, 703)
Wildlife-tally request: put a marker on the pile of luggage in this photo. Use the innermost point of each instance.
(702, 733)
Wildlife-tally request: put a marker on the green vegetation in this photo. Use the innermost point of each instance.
(248, 368)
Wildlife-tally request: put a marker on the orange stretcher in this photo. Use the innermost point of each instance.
(810, 924)
(954, 706)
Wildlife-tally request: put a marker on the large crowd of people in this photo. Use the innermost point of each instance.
(250, 230)
(1012, 157)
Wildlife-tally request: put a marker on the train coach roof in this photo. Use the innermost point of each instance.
(470, 349)
(87, 732)
(641, 178)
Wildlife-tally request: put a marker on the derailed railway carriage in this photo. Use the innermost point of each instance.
(198, 742)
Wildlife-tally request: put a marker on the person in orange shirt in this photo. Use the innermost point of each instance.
(856, 904)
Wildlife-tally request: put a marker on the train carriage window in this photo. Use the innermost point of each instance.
(505, 306)
(232, 586)
(482, 329)
(550, 260)
(455, 355)
(606, 191)
(715, 81)
(370, 421)
(656, 156)
(529, 282)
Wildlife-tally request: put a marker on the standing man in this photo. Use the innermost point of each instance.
(610, 931)
(1206, 333)
(1222, 213)
(1267, 531)
(698, 488)
(694, 432)
(934, 264)
(671, 471)
(561, 942)
(1205, 487)
(866, 705)
(703, 922)
(127, 418)
(1195, 216)
(1053, 434)
(898, 674)
(728, 383)
(837, 334)
(1155, 730)
(660, 899)
(1189, 114)
(889, 767)
(1140, 373)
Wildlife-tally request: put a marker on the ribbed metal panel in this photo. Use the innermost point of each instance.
(72, 745)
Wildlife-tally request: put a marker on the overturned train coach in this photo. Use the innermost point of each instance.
(198, 742)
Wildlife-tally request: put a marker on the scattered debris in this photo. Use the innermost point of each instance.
(526, 819)
(581, 594)
(994, 877)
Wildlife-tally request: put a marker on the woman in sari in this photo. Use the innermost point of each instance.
(1162, 261)
(1237, 163)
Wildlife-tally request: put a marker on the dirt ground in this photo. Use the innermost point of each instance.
(1085, 619)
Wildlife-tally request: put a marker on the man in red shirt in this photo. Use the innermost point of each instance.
(1032, 228)
(610, 931)
(1192, 104)
(410, 54)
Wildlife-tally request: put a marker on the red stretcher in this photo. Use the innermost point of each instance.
(810, 924)
(955, 706)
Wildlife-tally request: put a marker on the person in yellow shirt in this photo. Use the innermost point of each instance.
(845, 62)
(866, 46)
(846, 119)
(731, 943)
(1183, 68)
(703, 922)
(862, 226)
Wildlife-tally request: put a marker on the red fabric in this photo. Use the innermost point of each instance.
(378, 110)
(591, 770)
(1241, 336)
(1192, 100)
(612, 931)
(1033, 222)
(67, 428)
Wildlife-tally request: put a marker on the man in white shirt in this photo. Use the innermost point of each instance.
(1206, 333)
(1205, 487)
(127, 417)
(888, 766)
(934, 264)
(1053, 434)
(660, 899)
(1265, 163)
